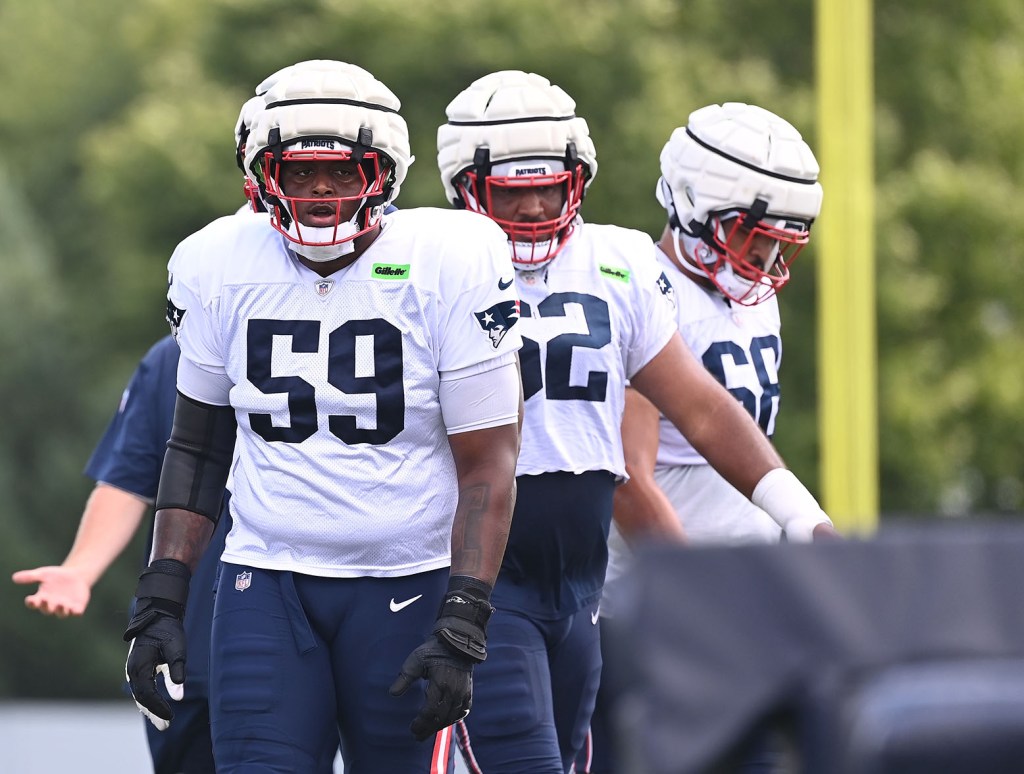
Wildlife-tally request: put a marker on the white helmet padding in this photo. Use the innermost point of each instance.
(515, 116)
(740, 162)
(338, 113)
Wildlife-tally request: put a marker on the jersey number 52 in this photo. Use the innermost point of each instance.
(554, 378)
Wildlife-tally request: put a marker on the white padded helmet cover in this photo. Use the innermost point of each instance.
(729, 155)
(335, 103)
(516, 115)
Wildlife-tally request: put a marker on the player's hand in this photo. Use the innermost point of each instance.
(825, 532)
(446, 659)
(62, 591)
(449, 676)
(157, 639)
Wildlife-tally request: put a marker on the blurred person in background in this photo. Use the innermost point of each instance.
(126, 467)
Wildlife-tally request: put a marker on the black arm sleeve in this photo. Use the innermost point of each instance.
(198, 458)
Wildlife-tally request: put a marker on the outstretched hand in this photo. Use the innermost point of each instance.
(62, 591)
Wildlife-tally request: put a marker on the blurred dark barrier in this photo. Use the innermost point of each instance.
(901, 654)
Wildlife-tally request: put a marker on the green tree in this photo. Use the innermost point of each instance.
(121, 116)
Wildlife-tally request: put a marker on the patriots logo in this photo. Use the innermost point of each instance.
(497, 320)
(666, 288)
(174, 317)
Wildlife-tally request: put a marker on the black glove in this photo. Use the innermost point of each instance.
(157, 638)
(446, 659)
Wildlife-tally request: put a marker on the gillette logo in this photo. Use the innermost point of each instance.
(390, 271)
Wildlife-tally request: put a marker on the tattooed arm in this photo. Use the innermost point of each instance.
(485, 462)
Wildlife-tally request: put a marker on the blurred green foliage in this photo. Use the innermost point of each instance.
(118, 121)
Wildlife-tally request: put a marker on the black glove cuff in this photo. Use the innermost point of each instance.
(165, 579)
(462, 621)
(469, 599)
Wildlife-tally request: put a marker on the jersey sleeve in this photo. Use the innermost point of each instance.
(482, 308)
(654, 314)
(192, 303)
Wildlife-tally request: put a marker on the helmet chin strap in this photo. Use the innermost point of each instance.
(523, 253)
(324, 253)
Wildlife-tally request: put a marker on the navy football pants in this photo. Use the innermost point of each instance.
(297, 659)
(534, 694)
(188, 749)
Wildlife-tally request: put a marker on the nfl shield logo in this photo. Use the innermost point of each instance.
(323, 287)
(242, 581)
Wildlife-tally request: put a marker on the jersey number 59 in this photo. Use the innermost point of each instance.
(385, 383)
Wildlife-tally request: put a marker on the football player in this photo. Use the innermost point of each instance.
(741, 191)
(357, 374)
(596, 311)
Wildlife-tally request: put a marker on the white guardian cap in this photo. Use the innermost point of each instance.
(509, 130)
(338, 113)
(734, 171)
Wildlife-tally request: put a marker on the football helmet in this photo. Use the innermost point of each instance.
(252, 106)
(512, 129)
(734, 177)
(243, 126)
(337, 113)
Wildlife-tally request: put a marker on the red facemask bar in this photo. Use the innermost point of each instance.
(373, 176)
(252, 195)
(564, 195)
(759, 252)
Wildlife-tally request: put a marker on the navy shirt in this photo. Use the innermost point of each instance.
(129, 456)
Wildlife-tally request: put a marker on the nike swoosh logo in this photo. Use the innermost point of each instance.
(505, 285)
(396, 606)
(594, 615)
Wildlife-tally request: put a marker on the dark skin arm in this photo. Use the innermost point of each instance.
(711, 419)
(640, 508)
(485, 464)
(182, 535)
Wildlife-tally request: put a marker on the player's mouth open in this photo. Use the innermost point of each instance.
(322, 214)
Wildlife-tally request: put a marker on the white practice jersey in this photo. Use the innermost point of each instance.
(590, 320)
(342, 466)
(740, 345)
